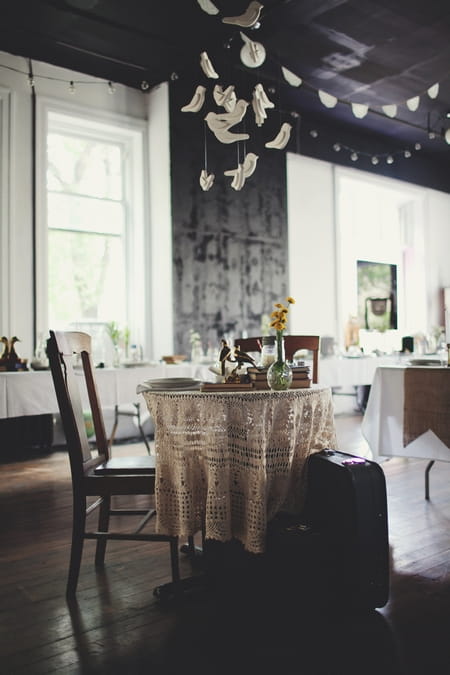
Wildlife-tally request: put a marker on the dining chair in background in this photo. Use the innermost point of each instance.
(292, 344)
(96, 474)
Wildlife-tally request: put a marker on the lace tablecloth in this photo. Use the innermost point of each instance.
(233, 459)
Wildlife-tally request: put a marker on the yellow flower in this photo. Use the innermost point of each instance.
(280, 314)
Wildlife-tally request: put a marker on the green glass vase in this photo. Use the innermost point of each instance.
(279, 373)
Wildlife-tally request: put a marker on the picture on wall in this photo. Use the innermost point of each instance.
(377, 295)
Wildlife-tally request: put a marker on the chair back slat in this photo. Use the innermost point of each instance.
(65, 350)
(292, 344)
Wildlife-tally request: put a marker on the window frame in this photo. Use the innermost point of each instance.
(131, 133)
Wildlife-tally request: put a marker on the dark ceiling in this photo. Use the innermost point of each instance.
(374, 52)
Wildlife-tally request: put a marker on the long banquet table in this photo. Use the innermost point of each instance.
(229, 461)
(32, 392)
(383, 425)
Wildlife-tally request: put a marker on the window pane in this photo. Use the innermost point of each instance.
(71, 212)
(86, 273)
(84, 166)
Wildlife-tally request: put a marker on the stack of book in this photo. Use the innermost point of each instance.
(300, 377)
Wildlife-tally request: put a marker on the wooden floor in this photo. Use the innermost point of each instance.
(117, 626)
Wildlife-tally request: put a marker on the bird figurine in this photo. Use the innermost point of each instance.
(207, 66)
(197, 100)
(206, 180)
(248, 19)
(282, 138)
(243, 357)
(225, 98)
(224, 355)
(260, 102)
(13, 361)
(5, 352)
(220, 123)
(4, 357)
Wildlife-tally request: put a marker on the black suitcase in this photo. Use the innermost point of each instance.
(338, 547)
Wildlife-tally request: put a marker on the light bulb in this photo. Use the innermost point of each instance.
(447, 136)
(354, 156)
(336, 147)
(417, 146)
(145, 85)
(407, 154)
(375, 160)
(389, 159)
(313, 133)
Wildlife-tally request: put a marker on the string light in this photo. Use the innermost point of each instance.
(356, 155)
(33, 78)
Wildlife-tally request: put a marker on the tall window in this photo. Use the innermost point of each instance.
(95, 242)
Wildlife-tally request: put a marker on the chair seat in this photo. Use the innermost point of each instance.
(126, 465)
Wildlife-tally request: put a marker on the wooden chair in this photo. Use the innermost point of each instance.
(97, 476)
(292, 343)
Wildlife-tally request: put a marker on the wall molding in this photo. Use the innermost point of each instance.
(5, 200)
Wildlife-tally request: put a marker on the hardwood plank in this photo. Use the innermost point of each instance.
(117, 626)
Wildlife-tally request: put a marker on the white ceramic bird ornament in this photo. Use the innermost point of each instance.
(208, 7)
(207, 66)
(248, 19)
(282, 138)
(253, 54)
(260, 102)
(220, 123)
(243, 171)
(225, 98)
(206, 180)
(197, 100)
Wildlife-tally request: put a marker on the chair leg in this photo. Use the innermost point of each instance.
(427, 479)
(76, 551)
(103, 525)
(114, 429)
(174, 560)
(141, 430)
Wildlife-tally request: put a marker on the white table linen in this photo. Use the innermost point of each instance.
(382, 424)
(32, 392)
(231, 460)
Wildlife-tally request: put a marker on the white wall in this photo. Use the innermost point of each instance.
(16, 291)
(314, 252)
(312, 264)
(437, 253)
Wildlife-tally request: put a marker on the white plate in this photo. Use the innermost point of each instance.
(134, 364)
(169, 384)
(170, 381)
(424, 362)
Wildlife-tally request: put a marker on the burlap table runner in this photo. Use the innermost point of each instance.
(427, 403)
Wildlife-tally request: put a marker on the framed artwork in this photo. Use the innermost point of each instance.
(377, 295)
